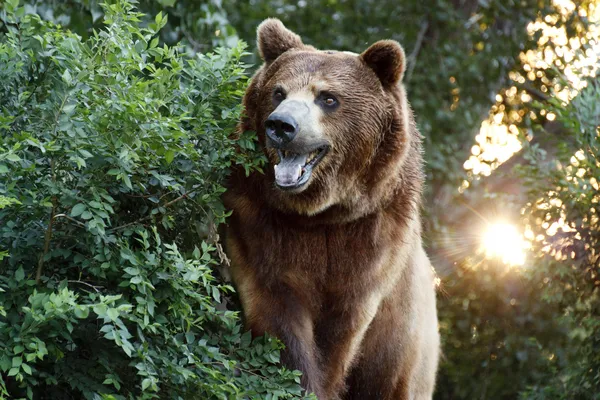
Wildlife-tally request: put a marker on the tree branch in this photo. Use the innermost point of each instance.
(70, 219)
(412, 58)
(196, 46)
(533, 91)
(147, 217)
(48, 234)
(96, 288)
(47, 239)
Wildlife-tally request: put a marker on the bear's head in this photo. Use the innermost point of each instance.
(335, 126)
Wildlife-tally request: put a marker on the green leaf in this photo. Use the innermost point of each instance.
(13, 157)
(68, 109)
(26, 368)
(189, 337)
(66, 76)
(132, 271)
(82, 312)
(12, 4)
(216, 294)
(5, 363)
(100, 310)
(78, 209)
(196, 253)
(169, 156)
(127, 181)
(85, 153)
(113, 314)
(19, 274)
(96, 205)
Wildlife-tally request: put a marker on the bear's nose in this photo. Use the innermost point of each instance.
(281, 128)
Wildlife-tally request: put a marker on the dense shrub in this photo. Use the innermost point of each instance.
(112, 154)
(495, 330)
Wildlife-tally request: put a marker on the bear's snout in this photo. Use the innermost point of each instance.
(281, 128)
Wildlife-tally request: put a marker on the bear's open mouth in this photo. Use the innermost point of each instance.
(294, 170)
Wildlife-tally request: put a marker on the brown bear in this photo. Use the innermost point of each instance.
(325, 246)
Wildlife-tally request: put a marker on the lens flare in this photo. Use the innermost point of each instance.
(504, 242)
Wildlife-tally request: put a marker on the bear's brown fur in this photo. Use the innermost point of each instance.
(330, 259)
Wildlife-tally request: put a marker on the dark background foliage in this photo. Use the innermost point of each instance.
(117, 146)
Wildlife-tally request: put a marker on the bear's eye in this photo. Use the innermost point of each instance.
(278, 95)
(328, 100)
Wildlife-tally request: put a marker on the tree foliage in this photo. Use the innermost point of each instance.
(563, 214)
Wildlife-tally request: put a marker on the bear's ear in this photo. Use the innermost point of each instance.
(386, 58)
(274, 39)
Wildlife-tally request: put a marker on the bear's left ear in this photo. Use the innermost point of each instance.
(274, 39)
(386, 58)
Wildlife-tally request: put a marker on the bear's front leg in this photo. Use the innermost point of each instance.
(339, 334)
(277, 310)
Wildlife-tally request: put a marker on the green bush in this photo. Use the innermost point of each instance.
(112, 156)
(495, 330)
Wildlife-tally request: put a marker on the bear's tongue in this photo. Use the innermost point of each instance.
(289, 169)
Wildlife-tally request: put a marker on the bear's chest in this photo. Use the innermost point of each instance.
(335, 256)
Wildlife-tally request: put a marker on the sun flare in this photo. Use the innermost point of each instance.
(504, 242)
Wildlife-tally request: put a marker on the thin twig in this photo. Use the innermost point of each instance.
(533, 91)
(62, 105)
(412, 58)
(196, 46)
(48, 235)
(35, 88)
(139, 196)
(216, 240)
(96, 288)
(70, 219)
(47, 239)
(147, 217)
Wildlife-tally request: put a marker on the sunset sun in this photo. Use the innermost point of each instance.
(504, 242)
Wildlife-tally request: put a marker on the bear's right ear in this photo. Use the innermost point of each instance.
(274, 39)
